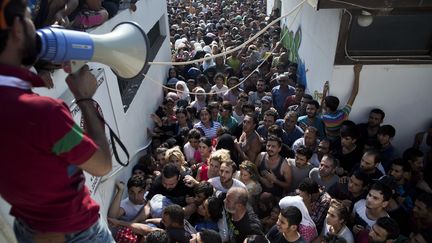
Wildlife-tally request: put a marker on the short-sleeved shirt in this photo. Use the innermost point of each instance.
(216, 183)
(333, 121)
(209, 132)
(275, 236)
(41, 152)
(176, 195)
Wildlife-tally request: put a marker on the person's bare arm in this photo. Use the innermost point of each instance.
(137, 228)
(83, 86)
(355, 88)
(115, 211)
(324, 94)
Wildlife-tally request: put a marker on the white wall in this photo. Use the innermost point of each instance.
(402, 91)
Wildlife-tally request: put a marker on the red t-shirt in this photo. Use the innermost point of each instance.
(41, 149)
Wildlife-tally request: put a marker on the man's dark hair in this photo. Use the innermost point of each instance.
(362, 176)
(383, 189)
(304, 151)
(292, 214)
(349, 131)
(11, 10)
(275, 139)
(300, 86)
(208, 235)
(272, 112)
(275, 130)
(376, 154)
(170, 170)
(412, 154)
(175, 213)
(390, 226)
(309, 186)
(157, 236)
(257, 239)
(140, 166)
(204, 187)
(333, 159)
(253, 116)
(194, 134)
(332, 102)
(308, 96)
(136, 181)
(314, 103)
(215, 208)
(378, 111)
(406, 167)
(387, 130)
(226, 105)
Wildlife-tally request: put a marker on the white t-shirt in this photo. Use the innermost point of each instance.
(360, 211)
(216, 183)
(220, 92)
(343, 233)
(189, 151)
(131, 210)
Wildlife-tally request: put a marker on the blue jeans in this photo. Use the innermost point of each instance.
(97, 233)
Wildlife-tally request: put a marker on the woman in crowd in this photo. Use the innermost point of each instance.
(175, 155)
(335, 223)
(206, 124)
(211, 169)
(183, 94)
(249, 176)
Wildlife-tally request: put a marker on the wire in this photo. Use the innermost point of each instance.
(254, 37)
(236, 48)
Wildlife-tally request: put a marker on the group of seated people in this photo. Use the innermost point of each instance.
(242, 153)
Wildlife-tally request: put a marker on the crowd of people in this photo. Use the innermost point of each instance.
(242, 153)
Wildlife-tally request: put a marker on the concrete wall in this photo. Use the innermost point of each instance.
(402, 91)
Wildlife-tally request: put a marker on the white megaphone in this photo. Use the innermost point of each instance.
(124, 49)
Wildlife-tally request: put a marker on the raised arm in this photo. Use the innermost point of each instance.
(355, 88)
(115, 211)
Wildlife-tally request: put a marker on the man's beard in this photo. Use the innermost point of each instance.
(30, 50)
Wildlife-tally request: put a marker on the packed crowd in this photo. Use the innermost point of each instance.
(241, 153)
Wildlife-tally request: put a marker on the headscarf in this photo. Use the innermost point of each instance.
(183, 95)
(297, 202)
(226, 141)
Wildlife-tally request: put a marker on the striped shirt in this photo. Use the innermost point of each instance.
(334, 121)
(210, 132)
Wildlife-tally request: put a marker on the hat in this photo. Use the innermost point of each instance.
(207, 49)
(193, 72)
(267, 99)
(172, 81)
(238, 18)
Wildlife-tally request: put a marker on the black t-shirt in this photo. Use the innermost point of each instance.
(177, 195)
(179, 235)
(348, 161)
(275, 236)
(248, 225)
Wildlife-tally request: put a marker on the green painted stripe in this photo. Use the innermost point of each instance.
(69, 141)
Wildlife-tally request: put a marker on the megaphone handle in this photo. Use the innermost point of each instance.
(73, 66)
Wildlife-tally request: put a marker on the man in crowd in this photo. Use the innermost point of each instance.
(242, 221)
(368, 131)
(311, 118)
(325, 174)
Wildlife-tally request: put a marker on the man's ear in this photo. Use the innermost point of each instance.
(294, 227)
(16, 30)
(385, 204)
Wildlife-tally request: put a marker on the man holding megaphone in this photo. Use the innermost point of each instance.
(44, 153)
